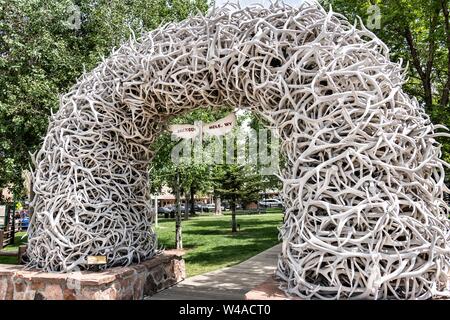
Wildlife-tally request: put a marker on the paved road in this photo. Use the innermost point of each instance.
(230, 283)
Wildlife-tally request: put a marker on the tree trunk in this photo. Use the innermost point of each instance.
(192, 192)
(31, 208)
(233, 216)
(186, 206)
(446, 91)
(217, 205)
(178, 230)
(424, 74)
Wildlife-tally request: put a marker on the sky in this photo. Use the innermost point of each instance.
(266, 3)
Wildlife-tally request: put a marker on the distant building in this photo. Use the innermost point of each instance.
(6, 195)
(166, 197)
(270, 194)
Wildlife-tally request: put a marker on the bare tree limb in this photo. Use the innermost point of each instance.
(446, 92)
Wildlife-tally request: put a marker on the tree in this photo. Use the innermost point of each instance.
(43, 50)
(237, 183)
(182, 176)
(418, 32)
(178, 227)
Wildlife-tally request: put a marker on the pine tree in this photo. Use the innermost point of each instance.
(237, 183)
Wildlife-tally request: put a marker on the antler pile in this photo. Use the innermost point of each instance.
(363, 186)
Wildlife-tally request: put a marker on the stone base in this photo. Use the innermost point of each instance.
(119, 283)
(269, 290)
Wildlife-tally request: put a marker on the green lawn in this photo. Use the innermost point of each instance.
(18, 241)
(208, 240)
(211, 245)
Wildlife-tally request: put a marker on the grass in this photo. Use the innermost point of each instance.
(211, 245)
(208, 239)
(253, 211)
(18, 241)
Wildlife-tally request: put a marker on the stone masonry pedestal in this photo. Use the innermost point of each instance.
(119, 283)
(270, 290)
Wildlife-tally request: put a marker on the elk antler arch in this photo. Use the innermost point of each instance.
(363, 186)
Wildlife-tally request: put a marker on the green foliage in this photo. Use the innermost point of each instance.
(210, 245)
(426, 22)
(417, 32)
(203, 177)
(19, 239)
(41, 56)
(163, 170)
(238, 183)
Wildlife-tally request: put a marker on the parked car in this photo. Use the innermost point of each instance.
(165, 211)
(24, 223)
(168, 211)
(198, 207)
(162, 210)
(271, 203)
(211, 207)
(173, 208)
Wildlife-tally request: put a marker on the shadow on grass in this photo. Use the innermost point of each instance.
(229, 255)
(259, 233)
(252, 226)
(8, 260)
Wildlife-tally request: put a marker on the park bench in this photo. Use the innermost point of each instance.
(7, 225)
(8, 229)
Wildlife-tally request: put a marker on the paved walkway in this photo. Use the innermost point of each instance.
(230, 283)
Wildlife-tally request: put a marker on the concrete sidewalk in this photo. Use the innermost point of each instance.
(231, 283)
